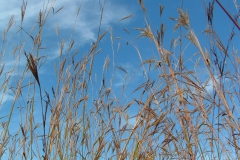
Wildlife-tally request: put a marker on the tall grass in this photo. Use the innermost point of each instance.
(172, 115)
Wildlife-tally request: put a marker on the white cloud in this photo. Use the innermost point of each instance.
(87, 22)
(85, 30)
(209, 84)
(5, 97)
(13, 7)
(89, 16)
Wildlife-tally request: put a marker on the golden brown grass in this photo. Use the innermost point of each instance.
(175, 115)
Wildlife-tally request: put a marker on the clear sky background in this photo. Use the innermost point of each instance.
(121, 52)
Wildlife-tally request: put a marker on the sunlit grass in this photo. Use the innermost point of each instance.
(173, 113)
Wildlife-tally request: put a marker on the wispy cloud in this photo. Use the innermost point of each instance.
(87, 23)
(85, 32)
(89, 17)
(4, 98)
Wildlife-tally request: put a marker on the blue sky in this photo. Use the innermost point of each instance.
(85, 33)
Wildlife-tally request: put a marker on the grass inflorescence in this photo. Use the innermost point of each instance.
(174, 113)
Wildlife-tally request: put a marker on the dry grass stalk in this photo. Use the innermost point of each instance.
(183, 20)
(145, 32)
(32, 65)
(170, 115)
(10, 23)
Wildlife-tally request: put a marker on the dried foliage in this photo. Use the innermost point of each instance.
(185, 106)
